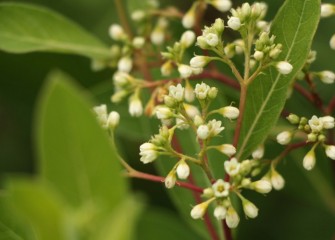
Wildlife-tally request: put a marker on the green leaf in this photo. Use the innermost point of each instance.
(42, 208)
(163, 225)
(294, 27)
(74, 152)
(27, 28)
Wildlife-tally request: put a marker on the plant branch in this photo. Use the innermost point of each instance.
(123, 17)
(288, 149)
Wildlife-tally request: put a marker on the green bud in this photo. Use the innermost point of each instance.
(312, 137)
(322, 138)
(293, 119)
(218, 26)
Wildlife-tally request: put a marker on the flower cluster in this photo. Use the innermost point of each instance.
(315, 129)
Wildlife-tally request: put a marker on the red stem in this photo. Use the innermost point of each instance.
(303, 92)
(331, 106)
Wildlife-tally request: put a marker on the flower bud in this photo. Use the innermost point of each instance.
(213, 92)
(277, 180)
(135, 106)
(232, 218)
(328, 122)
(183, 170)
(148, 152)
(202, 43)
(113, 119)
(332, 42)
(101, 113)
(258, 153)
(261, 186)
(258, 55)
(312, 137)
(284, 138)
(234, 23)
(203, 132)
(284, 67)
(167, 68)
(220, 212)
(327, 77)
(212, 39)
(198, 120)
(170, 179)
(229, 112)
(125, 64)
(163, 112)
(330, 151)
(157, 36)
(309, 160)
(327, 10)
(199, 61)
(198, 211)
(293, 119)
(187, 39)
(227, 149)
(189, 92)
(188, 20)
(185, 71)
(208, 192)
(138, 42)
(116, 32)
(138, 15)
(222, 5)
(218, 26)
(250, 210)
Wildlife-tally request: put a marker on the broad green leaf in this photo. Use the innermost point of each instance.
(74, 152)
(163, 225)
(41, 207)
(27, 28)
(294, 27)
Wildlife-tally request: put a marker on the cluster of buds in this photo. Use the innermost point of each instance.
(174, 57)
(190, 16)
(107, 121)
(314, 128)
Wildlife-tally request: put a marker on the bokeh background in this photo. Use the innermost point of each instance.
(303, 210)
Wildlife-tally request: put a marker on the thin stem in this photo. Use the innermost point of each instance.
(316, 98)
(123, 17)
(243, 97)
(287, 150)
(331, 106)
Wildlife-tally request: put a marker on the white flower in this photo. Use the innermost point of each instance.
(284, 138)
(212, 39)
(309, 160)
(163, 112)
(222, 5)
(203, 132)
(197, 71)
(328, 122)
(201, 91)
(201, 42)
(277, 180)
(230, 112)
(262, 186)
(187, 39)
(214, 127)
(284, 67)
(208, 192)
(138, 15)
(327, 77)
(148, 153)
(135, 106)
(166, 68)
(177, 92)
(332, 42)
(258, 55)
(199, 61)
(232, 218)
(330, 151)
(120, 79)
(316, 124)
(170, 179)
(185, 71)
(327, 10)
(191, 110)
(138, 42)
(258, 153)
(221, 188)
(188, 20)
(227, 149)
(250, 209)
(234, 23)
(113, 119)
(125, 64)
(220, 212)
(232, 167)
(198, 211)
(157, 36)
(183, 170)
(116, 32)
(101, 112)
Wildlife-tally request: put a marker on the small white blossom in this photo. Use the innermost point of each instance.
(232, 218)
(198, 120)
(138, 42)
(201, 91)
(327, 77)
(203, 132)
(284, 67)
(187, 39)
(125, 64)
(332, 42)
(328, 122)
(221, 188)
(183, 170)
(327, 10)
(198, 211)
(215, 127)
(170, 180)
(191, 110)
(135, 106)
(234, 23)
(157, 36)
(232, 167)
(212, 39)
(258, 55)
(197, 71)
(113, 119)
(101, 112)
(185, 71)
(116, 32)
(199, 61)
(138, 15)
(121, 79)
(167, 68)
(222, 5)
(220, 212)
(208, 192)
(309, 160)
(188, 20)
(189, 92)
(227, 149)
(277, 180)
(316, 124)
(284, 138)
(213, 92)
(177, 92)
(330, 151)
(230, 112)
(262, 186)
(258, 153)
(163, 112)
(249, 208)
(148, 153)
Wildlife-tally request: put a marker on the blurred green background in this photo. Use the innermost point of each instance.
(301, 211)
